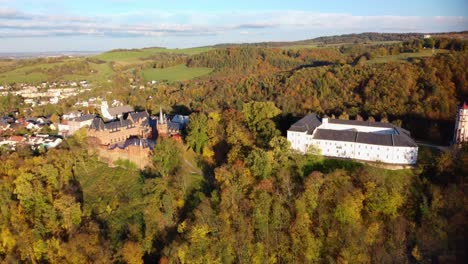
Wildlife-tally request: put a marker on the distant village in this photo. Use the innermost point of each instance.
(117, 132)
(45, 93)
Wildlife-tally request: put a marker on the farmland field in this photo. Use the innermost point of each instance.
(138, 54)
(175, 73)
(404, 56)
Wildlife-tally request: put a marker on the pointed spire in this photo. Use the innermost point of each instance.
(161, 115)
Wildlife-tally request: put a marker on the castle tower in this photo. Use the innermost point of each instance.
(461, 125)
(161, 117)
(161, 126)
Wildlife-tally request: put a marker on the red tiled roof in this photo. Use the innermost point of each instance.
(465, 106)
(16, 138)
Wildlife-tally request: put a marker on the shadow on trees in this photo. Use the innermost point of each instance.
(329, 165)
(284, 122)
(181, 110)
(314, 64)
(434, 131)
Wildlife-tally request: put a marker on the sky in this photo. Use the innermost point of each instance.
(99, 25)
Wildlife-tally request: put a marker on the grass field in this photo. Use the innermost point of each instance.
(402, 57)
(102, 73)
(17, 76)
(136, 55)
(175, 73)
(105, 188)
(35, 73)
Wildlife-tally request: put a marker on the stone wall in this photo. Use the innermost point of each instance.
(136, 154)
(107, 137)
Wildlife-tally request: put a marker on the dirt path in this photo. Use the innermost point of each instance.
(441, 148)
(194, 168)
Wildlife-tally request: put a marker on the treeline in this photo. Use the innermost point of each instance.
(340, 39)
(368, 37)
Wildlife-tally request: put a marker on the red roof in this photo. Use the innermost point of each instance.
(177, 137)
(465, 106)
(16, 138)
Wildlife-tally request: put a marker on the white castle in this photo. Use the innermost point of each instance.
(461, 125)
(352, 139)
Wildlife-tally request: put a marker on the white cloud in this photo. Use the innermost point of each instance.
(190, 28)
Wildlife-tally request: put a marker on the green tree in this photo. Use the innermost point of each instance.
(258, 116)
(260, 163)
(197, 137)
(166, 157)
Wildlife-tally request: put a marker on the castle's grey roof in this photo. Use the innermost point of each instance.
(97, 124)
(136, 116)
(115, 111)
(360, 123)
(306, 124)
(121, 123)
(403, 140)
(396, 140)
(375, 139)
(335, 135)
(144, 143)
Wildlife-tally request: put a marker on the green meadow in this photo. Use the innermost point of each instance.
(175, 73)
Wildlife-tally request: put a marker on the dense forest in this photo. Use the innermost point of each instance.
(254, 200)
(257, 202)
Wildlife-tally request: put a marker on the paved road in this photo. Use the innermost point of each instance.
(441, 148)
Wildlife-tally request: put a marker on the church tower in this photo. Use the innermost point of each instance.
(161, 126)
(461, 125)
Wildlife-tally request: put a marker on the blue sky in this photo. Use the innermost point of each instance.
(61, 25)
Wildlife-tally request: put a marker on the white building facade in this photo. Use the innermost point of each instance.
(352, 139)
(461, 125)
